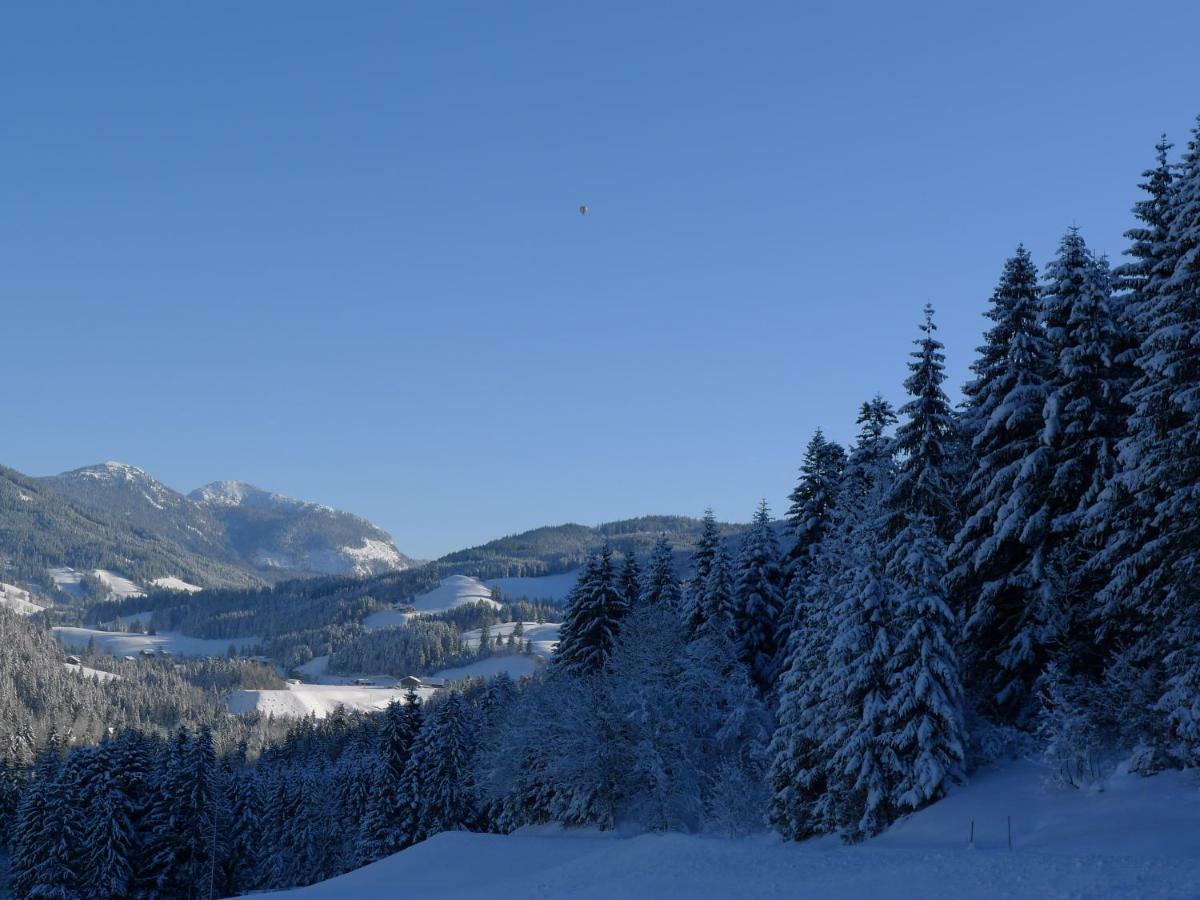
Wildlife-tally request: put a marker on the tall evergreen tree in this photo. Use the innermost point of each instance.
(662, 584)
(925, 702)
(631, 580)
(998, 554)
(593, 617)
(702, 560)
(1156, 557)
(812, 500)
(719, 596)
(383, 828)
(758, 599)
(1084, 419)
(439, 774)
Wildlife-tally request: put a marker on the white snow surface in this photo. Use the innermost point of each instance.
(18, 600)
(544, 637)
(118, 643)
(300, 700)
(453, 591)
(516, 665)
(172, 583)
(1135, 839)
(91, 673)
(119, 587)
(541, 587)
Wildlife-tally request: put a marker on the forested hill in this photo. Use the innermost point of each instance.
(560, 548)
(40, 528)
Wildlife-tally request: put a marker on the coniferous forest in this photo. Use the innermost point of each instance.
(1011, 575)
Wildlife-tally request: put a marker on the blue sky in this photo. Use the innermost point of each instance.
(334, 249)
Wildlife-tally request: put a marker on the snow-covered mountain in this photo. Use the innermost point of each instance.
(273, 531)
(235, 523)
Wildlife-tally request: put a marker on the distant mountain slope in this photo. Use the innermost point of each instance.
(40, 527)
(561, 548)
(235, 525)
(271, 531)
(144, 502)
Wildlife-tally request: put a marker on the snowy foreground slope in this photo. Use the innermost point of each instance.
(1139, 838)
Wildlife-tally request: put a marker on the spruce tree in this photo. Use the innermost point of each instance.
(1156, 556)
(1084, 421)
(439, 773)
(593, 617)
(998, 555)
(703, 556)
(631, 580)
(858, 596)
(661, 586)
(758, 599)
(717, 601)
(925, 703)
(383, 828)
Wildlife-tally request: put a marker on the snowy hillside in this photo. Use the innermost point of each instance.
(274, 531)
(1137, 839)
(544, 637)
(300, 700)
(18, 600)
(540, 587)
(116, 643)
(453, 591)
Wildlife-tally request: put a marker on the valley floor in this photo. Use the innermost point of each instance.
(1138, 838)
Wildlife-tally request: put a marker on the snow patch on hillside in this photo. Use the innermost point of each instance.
(544, 637)
(515, 665)
(91, 673)
(171, 583)
(374, 556)
(18, 600)
(453, 591)
(300, 700)
(1137, 839)
(116, 643)
(541, 587)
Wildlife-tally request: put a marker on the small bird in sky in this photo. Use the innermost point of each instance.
(583, 210)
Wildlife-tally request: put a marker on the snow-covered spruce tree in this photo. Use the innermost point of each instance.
(245, 833)
(692, 608)
(30, 846)
(1156, 559)
(631, 580)
(438, 774)
(383, 829)
(758, 600)
(925, 703)
(1148, 242)
(807, 521)
(716, 602)
(661, 587)
(861, 769)
(1084, 421)
(812, 501)
(593, 617)
(997, 557)
(111, 841)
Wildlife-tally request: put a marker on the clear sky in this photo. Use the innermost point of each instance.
(334, 249)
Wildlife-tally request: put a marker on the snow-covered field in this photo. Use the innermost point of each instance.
(18, 600)
(544, 637)
(541, 587)
(300, 700)
(1137, 839)
(171, 583)
(119, 643)
(515, 664)
(453, 591)
(90, 673)
(119, 587)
